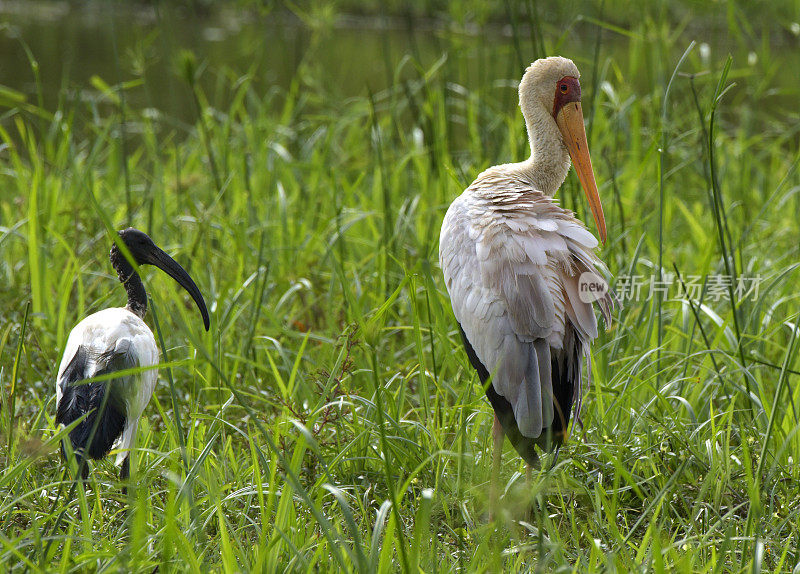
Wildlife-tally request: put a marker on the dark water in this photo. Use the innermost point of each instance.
(146, 46)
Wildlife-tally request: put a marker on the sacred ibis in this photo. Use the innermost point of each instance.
(110, 340)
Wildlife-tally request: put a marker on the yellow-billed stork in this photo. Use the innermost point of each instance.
(514, 261)
(112, 340)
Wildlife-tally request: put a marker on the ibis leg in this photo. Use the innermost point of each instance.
(78, 458)
(124, 473)
(497, 454)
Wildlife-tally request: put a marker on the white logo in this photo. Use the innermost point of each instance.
(591, 287)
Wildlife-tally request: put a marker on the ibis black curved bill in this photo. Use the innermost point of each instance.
(172, 268)
(146, 252)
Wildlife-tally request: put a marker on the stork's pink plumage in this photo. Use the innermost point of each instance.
(512, 261)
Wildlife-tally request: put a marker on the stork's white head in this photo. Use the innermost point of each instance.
(550, 91)
(540, 87)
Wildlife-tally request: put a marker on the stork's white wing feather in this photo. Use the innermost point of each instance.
(511, 261)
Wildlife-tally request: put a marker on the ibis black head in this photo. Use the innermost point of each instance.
(145, 252)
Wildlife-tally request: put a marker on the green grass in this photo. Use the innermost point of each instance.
(330, 420)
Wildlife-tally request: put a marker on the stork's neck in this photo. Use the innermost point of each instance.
(549, 162)
(137, 296)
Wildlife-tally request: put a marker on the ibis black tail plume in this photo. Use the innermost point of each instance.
(78, 399)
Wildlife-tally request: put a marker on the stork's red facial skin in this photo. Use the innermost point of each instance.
(568, 89)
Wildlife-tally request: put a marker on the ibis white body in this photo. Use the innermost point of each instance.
(105, 414)
(121, 334)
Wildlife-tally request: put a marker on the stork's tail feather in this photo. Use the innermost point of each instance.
(78, 399)
(503, 409)
(565, 369)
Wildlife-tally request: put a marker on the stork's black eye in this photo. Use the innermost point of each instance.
(564, 88)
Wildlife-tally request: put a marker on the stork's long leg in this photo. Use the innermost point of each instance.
(497, 454)
(555, 457)
(529, 503)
